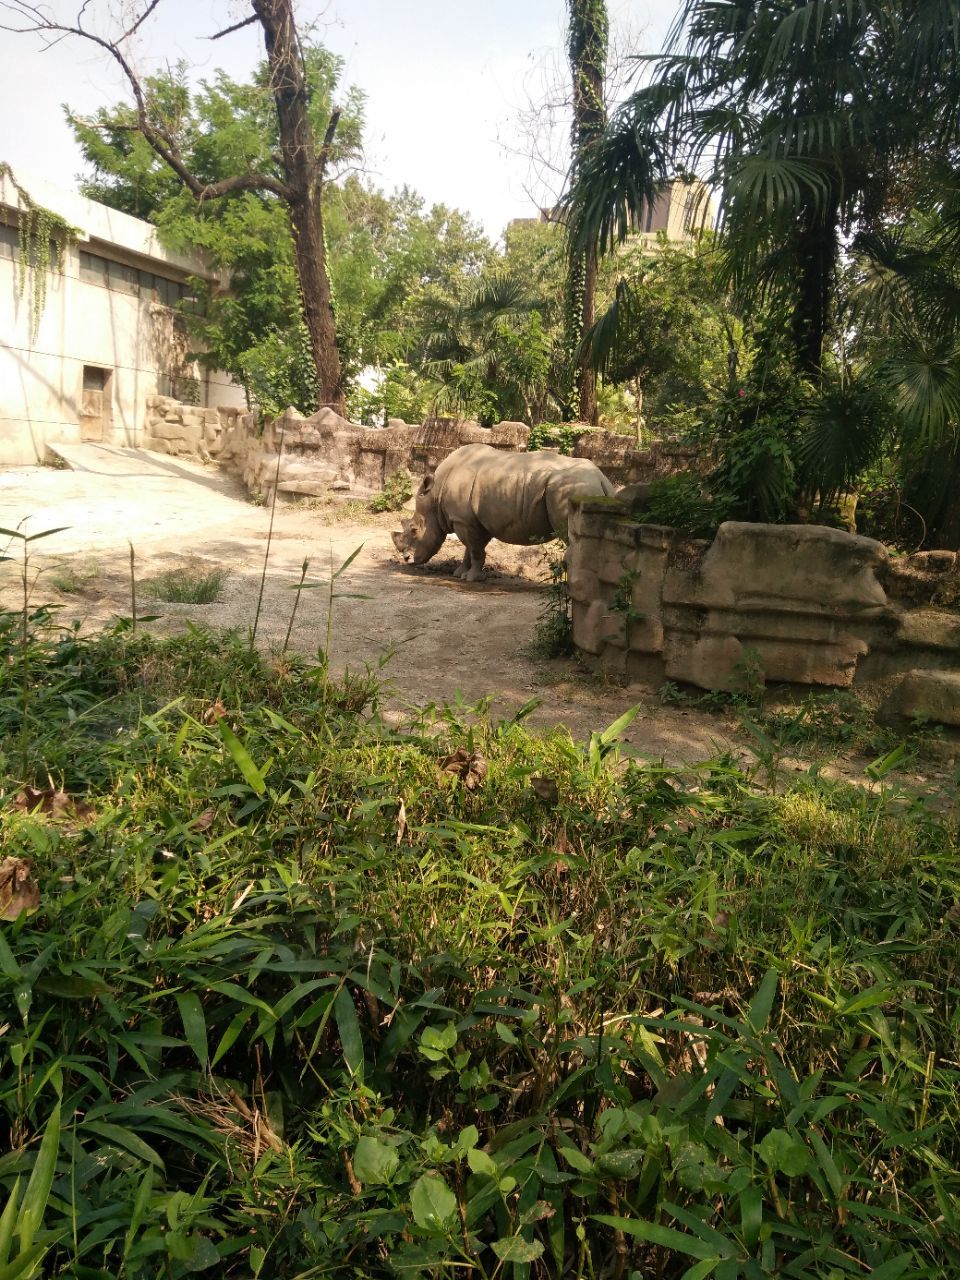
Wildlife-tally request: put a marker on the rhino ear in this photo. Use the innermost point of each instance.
(427, 484)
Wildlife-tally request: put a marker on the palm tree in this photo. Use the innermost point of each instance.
(587, 38)
(486, 352)
(904, 307)
(802, 114)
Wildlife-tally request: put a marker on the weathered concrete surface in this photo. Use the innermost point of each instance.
(925, 695)
(794, 603)
(306, 457)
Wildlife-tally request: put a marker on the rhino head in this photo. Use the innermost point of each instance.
(422, 536)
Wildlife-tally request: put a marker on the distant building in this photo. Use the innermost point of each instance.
(108, 337)
(681, 210)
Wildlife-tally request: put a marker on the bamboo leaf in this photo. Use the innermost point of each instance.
(348, 1025)
(241, 758)
(762, 1004)
(349, 561)
(8, 1221)
(667, 1237)
(41, 1180)
(194, 1024)
(44, 533)
(119, 1137)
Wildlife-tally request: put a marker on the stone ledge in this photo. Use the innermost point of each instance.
(927, 695)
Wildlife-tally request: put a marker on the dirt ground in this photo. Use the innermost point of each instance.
(434, 638)
(442, 640)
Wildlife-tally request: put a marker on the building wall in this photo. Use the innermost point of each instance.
(108, 337)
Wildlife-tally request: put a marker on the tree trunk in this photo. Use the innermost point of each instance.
(638, 400)
(586, 374)
(303, 166)
(818, 251)
(587, 47)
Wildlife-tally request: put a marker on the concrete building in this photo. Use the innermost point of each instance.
(107, 338)
(681, 210)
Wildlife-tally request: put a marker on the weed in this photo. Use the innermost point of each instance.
(74, 579)
(187, 586)
(622, 601)
(553, 637)
(397, 489)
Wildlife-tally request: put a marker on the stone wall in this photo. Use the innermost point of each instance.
(795, 603)
(326, 453)
(185, 430)
(621, 461)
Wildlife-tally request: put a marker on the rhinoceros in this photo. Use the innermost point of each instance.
(480, 493)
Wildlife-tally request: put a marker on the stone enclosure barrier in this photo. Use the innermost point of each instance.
(327, 454)
(795, 603)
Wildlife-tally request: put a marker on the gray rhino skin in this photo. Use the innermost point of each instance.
(480, 493)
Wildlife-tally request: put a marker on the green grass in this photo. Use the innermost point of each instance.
(187, 586)
(296, 1002)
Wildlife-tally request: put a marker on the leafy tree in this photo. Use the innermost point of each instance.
(260, 322)
(293, 171)
(487, 351)
(385, 251)
(381, 251)
(669, 331)
(830, 131)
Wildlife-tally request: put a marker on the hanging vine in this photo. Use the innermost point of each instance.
(38, 228)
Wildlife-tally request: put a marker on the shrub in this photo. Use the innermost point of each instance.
(397, 489)
(680, 502)
(553, 637)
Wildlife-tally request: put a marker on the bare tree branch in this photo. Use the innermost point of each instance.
(326, 146)
(139, 22)
(237, 26)
(39, 23)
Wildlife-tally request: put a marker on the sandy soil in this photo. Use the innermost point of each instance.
(438, 639)
(442, 640)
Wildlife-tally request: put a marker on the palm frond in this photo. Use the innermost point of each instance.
(847, 426)
(925, 379)
(620, 177)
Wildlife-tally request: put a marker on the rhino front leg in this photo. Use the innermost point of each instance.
(463, 568)
(475, 553)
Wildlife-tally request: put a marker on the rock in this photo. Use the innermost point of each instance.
(340, 486)
(934, 561)
(930, 629)
(926, 695)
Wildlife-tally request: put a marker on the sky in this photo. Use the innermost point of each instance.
(455, 88)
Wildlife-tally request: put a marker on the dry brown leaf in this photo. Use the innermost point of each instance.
(401, 821)
(546, 789)
(205, 819)
(469, 766)
(214, 712)
(18, 889)
(53, 803)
